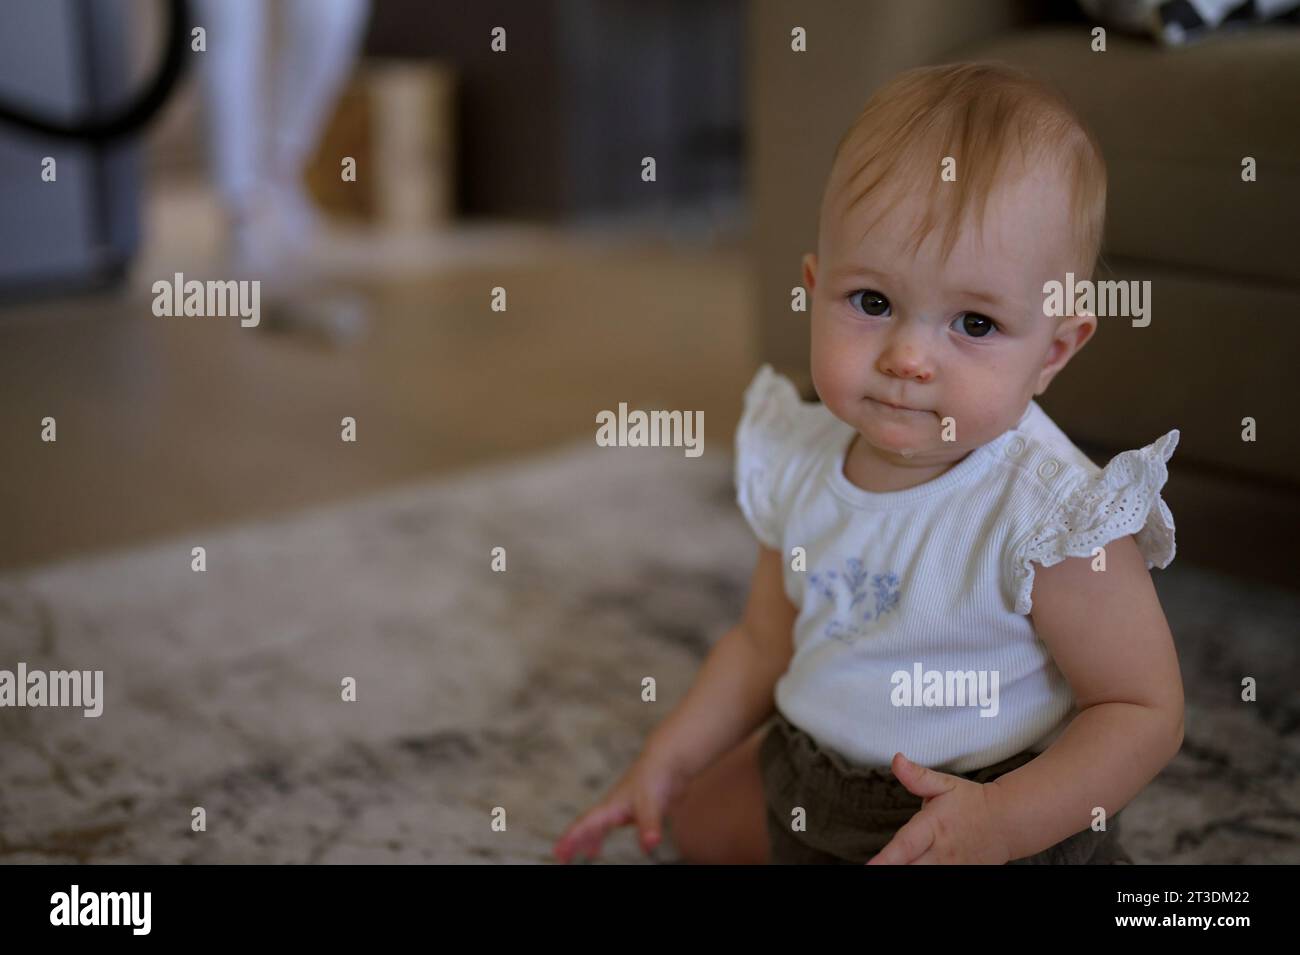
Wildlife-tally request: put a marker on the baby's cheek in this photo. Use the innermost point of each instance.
(825, 369)
(981, 414)
(833, 346)
(834, 367)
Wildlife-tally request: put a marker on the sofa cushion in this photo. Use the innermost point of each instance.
(1175, 125)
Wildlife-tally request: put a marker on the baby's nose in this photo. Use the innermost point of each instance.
(906, 362)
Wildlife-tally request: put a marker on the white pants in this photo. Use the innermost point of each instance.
(251, 145)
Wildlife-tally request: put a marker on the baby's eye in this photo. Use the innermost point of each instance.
(975, 324)
(873, 303)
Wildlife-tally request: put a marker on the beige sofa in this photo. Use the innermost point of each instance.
(1222, 254)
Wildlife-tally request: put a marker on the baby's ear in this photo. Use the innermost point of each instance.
(1082, 326)
(810, 271)
(1072, 333)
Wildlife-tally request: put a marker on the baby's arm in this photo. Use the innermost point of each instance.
(732, 694)
(1109, 637)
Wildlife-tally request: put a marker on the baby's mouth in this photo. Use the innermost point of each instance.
(896, 408)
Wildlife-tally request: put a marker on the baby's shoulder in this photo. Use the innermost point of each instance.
(1037, 460)
(775, 420)
(1059, 503)
(780, 438)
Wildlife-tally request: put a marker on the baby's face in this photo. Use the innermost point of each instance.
(965, 338)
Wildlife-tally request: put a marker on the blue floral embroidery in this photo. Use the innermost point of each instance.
(855, 603)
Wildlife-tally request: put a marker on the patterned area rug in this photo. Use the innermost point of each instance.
(477, 689)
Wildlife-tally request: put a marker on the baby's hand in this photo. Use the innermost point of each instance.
(641, 797)
(956, 824)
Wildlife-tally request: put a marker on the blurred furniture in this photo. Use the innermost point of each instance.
(556, 125)
(1221, 253)
(65, 58)
(395, 119)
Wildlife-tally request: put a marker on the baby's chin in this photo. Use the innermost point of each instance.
(906, 452)
(904, 440)
(890, 432)
(917, 442)
(898, 428)
(920, 454)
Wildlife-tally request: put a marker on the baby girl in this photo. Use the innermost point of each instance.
(952, 650)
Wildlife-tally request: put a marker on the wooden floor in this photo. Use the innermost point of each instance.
(169, 424)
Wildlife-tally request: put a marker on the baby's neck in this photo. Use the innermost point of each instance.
(868, 468)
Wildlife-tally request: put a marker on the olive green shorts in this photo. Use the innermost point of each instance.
(850, 813)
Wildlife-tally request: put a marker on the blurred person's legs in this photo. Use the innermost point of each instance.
(230, 71)
(321, 42)
(258, 155)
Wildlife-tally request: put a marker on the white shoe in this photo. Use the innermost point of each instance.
(337, 318)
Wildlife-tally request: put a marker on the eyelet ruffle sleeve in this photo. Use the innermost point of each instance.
(766, 441)
(1123, 499)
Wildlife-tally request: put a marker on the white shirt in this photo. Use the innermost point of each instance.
(937, 577)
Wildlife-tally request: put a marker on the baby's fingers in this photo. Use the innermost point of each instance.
(909, 843)
(586, 834)
(648, 819)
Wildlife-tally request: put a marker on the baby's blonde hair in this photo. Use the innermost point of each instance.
(975, 113)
